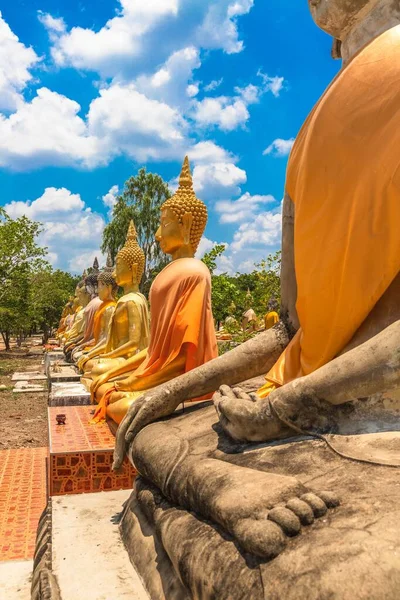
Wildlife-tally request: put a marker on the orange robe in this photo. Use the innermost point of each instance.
(181, 320)
(97, 319)
(344, 179)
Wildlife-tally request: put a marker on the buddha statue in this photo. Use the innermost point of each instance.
(271, 317)
(68, 311)
(182, 335)
(86, 338)
(339, 333)
(128, 332)
(249, 317)
(107, 288)
(82, 299)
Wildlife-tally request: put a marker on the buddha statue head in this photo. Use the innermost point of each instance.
(91, 279)
(106, 284)
(248, 301)
(336, 17)
(183, 219)
(129, 264)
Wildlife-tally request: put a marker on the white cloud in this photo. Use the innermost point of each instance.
(218, 179)
(172, 82)
(279, 147)
(264, 230)
(47, 131)
(243, 209)
(207, 151)
(53, 25)
(110, 199)
(219, 28)
(109, 50)
(226, 113)
(141, 127)
(205, 246)
(71, 231)
(16, 60)
(272, 84)
(213, 85)
(192, 90)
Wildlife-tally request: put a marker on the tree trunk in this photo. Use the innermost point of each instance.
(6, 338)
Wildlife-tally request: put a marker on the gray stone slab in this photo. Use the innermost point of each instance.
(15, 578)
(68, 394)
(29, 376)
(65, 374)
(26, 387)
(89, 558)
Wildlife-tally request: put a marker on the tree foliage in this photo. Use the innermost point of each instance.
(31, 294)
(141, 200)
(263, 283)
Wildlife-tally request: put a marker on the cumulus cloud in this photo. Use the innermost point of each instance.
(71, 231)
(110, 199)
(243, 209)
(279, 147)
(213, 85)
(16, 61)
(138, 31)
(47, 131)
(218, 179)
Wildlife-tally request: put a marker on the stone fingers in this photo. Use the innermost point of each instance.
(122, 443)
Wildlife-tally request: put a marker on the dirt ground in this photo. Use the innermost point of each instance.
(23, 417)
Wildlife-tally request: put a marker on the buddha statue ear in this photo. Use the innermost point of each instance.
(134, 272)
(187, 221)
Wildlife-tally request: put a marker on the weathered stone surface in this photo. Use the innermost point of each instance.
(68, 394)
(65, 373)
(29, 375)
(22, 387)
(199, 488)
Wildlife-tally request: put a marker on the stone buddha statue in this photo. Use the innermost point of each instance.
(107, 288)
(249, 317)
(128, 332)
(339, 333)
(182, 335)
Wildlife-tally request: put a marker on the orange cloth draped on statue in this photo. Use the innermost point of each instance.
(97, 319)
(344, 179)
(181, 319)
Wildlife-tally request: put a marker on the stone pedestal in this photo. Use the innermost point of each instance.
(65, 374)
(68, 394)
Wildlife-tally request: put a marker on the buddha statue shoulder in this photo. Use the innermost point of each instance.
(182, 334)
(128, 332)
(75, 333)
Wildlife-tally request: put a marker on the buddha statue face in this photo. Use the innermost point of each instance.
(172, 235)
(124, 273)
(183, 218)
(337, 16)
(82, 295)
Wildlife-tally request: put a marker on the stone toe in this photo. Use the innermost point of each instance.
(317, 504)
(286, 519)
(303, 510)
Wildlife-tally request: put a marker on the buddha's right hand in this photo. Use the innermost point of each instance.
(150, 406)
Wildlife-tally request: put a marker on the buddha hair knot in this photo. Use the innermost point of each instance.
(131, 253)
(184, 201)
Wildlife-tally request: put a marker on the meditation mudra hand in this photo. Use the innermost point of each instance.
(182, 334)
(339, 334)
(128, 331)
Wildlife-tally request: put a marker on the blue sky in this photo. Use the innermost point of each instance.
(91, 91)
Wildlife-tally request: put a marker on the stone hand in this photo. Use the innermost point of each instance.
(246, 417)
(152, 405)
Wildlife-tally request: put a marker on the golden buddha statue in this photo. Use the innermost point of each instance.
(272, 316)
(107, 288)
(68, 311)
(75, 333)
(86, 338)
(249, 318)
(182, 334)
(128, 332)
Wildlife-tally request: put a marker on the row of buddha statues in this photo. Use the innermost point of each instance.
(122, 348)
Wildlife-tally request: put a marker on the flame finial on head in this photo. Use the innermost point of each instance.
(132, 233)
(95, 264)
(185, 178)
(131, 252)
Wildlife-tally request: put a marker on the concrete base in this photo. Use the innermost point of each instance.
(88, 555)
(15, 579)
(29, 375)
(25, 387)
(68, 394)
(65, 374)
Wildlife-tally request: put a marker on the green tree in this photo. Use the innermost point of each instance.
(210, 258)
(141, 200)
(48, 294)
(20, 257)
